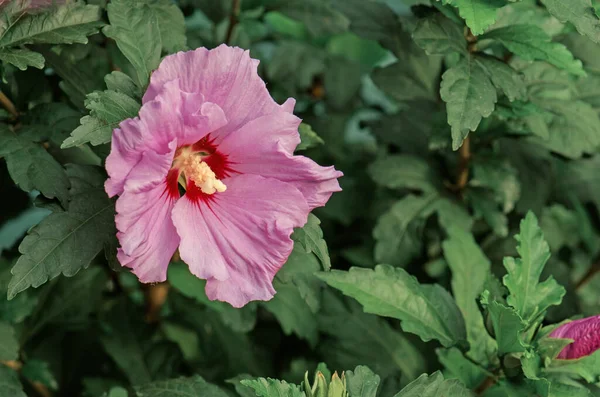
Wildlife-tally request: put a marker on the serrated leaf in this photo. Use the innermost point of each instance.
(526, 294)
(434, 385)
(426, 310)
(479, 14)
(180, 387)
(469, 96)
(69, 23)
(310, 238)
(580, 13)
(171, 24)
(134, 26)
(31, 166)
(308, 137)
(10, 386)
(403, 171)
(499, 176)
(507, 325)
(22, 58)
(504, 78)
(531, 43)
(9, 346)
(107, 110)
(66, 242)
(470, 269)
(439, 35)
(361, 382)
(240, 320)
(120, 82)
(345, 324)
(273, 388)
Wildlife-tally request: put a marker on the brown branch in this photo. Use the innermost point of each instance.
(37, 386)
(464, 158)
(233, 19)
(8, 105)
(486, 384)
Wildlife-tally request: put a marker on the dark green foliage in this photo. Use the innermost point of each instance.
(467, 229)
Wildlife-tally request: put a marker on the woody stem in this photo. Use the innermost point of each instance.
(8, 105)
(233, 19)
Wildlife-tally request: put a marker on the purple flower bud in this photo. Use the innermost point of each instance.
(585, 334)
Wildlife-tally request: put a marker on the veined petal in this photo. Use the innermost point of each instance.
(226, 76)
(262, 147)
(585, 334)
(240, 238)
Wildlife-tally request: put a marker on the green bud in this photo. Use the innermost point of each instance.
(337, 387)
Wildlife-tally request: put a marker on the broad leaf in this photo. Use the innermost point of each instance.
(405, 172)
(526, 294)
(434, 385)
(479, 14)
(70, 23)
(310, 238)
(319, 17)
(361, 382)
(440, 36)
(504, 78)
(9, 347)
(426, 310)
(587, 367)
(507, 324)
(66, 242)
(531, 43)
(21, 58)
(134, 26)
(469, 96)
(308, 137)
(578, 12)
(470, 269)
(461, 368)
(107, 110)
(10, 386)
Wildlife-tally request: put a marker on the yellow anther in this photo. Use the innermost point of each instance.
(200, 173)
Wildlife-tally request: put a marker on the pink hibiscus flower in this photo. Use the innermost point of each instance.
(209, 124)
(585, 334)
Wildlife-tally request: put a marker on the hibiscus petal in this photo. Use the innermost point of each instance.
(145, 230)
(240, 238)
(585, 334)
(225, 75)
(262, 147)
(173, 114)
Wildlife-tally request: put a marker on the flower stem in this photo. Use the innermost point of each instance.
(8, 105)
(233, 19)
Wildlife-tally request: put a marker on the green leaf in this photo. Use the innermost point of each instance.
(526, 294)
(22, 58)
(107, 110)
(361, 382)
(403, 171)
(439, 35)
(273, 388)
(308, 137)
(70, 23)
(434, 385)
(504, 77)
(507, 325)
(345, 324)
(498, 175)
(9, 347)
(15, 310)
(310, 239)
(297, 299)
(469, 96)
(426, 310)
(134, 26)
(180, 387)
(479, 14)
(122, 83)
(171, 24)
(31, 166)
(459, 367)
(240, 320)
(470, 269)
(531, 43)
(580, 13)
(9, 383)
(587, 367)
(65, 242)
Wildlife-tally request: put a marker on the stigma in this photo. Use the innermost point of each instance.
(195, 170)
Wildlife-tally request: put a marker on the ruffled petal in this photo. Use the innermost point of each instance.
(225, 75)
(586, 336)
(173, 114)
(145, 230)
(264, 147)
(240, 238)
